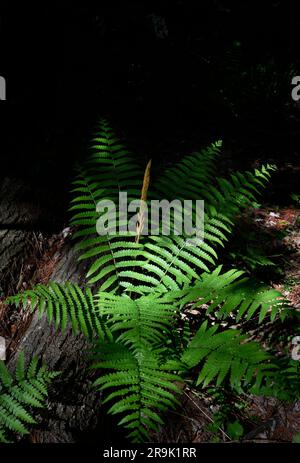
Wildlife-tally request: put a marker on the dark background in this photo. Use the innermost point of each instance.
(171, 75)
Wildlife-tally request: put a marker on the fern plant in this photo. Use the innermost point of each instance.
(20, 393)
(139, 285)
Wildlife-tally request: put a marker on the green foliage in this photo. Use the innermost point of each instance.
(229, 293)
(296, 439)
(287, 384)
(166, 262)
(226, 354)
(19, 393)
(254, 258)
(143, 388)
(143, 365)
(109, 170)
(141, 287)
(235, 430)
(228, 408)
(63, 303)
(250, 247)
(296, 198)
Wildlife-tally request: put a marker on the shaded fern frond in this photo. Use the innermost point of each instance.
(19, 393)
(286, 384)
(183, 180)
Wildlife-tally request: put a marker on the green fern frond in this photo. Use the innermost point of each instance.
(226, 355)
(141, 388)
(286, 384)
(19, 393)
(164, 262)
(173, 261)
(109, 170)
(64, 303)
(183, 180)
(228, 293)
(140, 321)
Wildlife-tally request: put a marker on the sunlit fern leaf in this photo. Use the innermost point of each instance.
(194, 178)
(171, 262)
(20, 393)
(141, 388)
(164, 262)
(109, 170)
(226, 355)
(228, 293)
(64, 303)
(138, 321)
(224, 199)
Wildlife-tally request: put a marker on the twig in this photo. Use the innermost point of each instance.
(206, 415)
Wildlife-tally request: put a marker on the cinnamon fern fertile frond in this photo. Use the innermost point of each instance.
(142, 211)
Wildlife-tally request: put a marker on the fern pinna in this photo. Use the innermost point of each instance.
(139, 285)
(20, 393)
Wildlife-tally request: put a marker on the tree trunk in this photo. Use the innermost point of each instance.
(73, 411)
(16, 216)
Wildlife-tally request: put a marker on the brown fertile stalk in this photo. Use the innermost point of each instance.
(141, 214)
